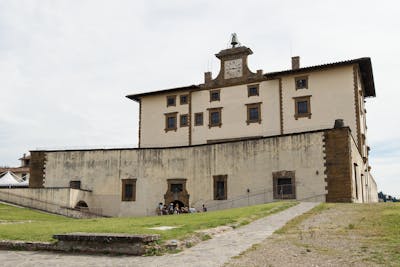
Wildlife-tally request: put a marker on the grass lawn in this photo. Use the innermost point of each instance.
(375, 227)
(30, 225)
(382, 226)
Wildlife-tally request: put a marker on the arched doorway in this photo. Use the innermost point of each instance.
(177, 193)
(81, 205)
(180, 203)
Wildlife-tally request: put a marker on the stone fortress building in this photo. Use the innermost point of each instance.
(240, 138)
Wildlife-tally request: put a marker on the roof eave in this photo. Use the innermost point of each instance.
(137, 97)
(133, 97)
(367, 77)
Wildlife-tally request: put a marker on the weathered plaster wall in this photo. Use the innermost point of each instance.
(322, 162)
(358, 174)
(366, 190)
(248, 164)
(55, 200)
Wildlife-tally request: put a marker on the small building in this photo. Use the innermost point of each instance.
(240, 138)
(22, 172)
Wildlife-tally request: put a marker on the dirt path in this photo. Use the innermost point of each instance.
(213, 252)
(330, 238)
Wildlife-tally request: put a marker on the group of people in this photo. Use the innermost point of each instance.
(163, 209)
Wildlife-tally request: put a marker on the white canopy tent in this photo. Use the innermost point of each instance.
(9, 179)
(24, 183)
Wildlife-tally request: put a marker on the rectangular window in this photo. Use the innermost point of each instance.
(184, 99)
(184, 120)
(75, 184)
(302, 106)
(215, 117)
(128, 189)
(198, 119)
(220, 187)
(284, 185)
(253, 113)
(171, 100)
(301, 82)
(214, 95)
(176, 188)
(252, 90)
(170, 121)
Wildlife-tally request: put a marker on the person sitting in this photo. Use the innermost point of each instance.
(184, 210)
(165, 210)
(204, 208)
(159, 208)
(177, 210)
(171, 208)
(192, 210)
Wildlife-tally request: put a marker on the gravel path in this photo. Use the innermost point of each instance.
(213, 252)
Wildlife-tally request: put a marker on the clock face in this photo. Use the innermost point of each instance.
(233, 68)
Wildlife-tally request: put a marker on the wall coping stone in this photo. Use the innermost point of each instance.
(89, 243)
(107, 237)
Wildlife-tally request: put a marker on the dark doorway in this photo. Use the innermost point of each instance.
(82, 205)
(285, 186)
(176, 193)
(180, 203)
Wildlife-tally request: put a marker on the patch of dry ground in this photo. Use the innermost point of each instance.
(329, 235)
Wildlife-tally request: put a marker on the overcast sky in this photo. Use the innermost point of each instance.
(66, 66)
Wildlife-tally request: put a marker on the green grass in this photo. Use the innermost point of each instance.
(380, 225)
(376, 227)
(30, 225)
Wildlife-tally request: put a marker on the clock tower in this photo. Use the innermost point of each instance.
(234, 69)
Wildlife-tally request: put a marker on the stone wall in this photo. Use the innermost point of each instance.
(348, 178)
(106, 243)
(320, 163)
(37, 165)
(249, 166)
(338, 165)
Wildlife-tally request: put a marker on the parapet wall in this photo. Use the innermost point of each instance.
(55, 200)
(248, 165)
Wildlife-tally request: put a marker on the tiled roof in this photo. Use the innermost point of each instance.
(15, 169)
(136, 97)
(364, 64)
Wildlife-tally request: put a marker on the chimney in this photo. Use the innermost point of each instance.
(295, 63)
(339, 123)
(207, 77)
